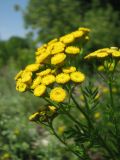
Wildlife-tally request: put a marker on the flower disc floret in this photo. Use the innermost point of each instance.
(58, 94)
(77, 77)
(72, 50)
(41, 58)
(62, 78)
(48, 79)
(39, 90)
(58, 58)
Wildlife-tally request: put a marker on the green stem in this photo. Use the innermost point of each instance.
(62, 141)
(92, 127)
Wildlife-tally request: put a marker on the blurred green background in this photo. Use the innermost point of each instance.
(44, 20)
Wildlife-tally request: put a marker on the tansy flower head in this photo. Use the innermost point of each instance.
(42, 57)
(36, 82)
(58, 48)
(39, 90)
(26, 76)
(52, 41)
(72, 50)
(48, 79)
(69, 38)
(32, 67)
(58, 58)
(62, 78)
(77, 77)
(44, 72)
(69, 69)
(58, 94)
(21, 87)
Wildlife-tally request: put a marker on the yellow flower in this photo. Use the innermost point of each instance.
(21, 87)
(62, 78)
(34, 116)
(32, 67)
(102, 55)
(52, 41)
(58, 94)
(72, 50)
(52, 108)
(36, 82)
(41, 50)
(85, 30)
(44, 72)
(41, 58)
(69, 69)
(26, 76)
(48, 79)
(78, 34)
(58, 48)
(39, 90)
(58, 58)
(18, 75)
(77, 77)
(116, 54)
(69, 38)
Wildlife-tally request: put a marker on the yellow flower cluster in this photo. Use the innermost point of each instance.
(44, 115)
(41, 79)
(104, 53)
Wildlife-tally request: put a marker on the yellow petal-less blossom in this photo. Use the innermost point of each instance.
(100, 68)
(48, 79)
(20, 86)
(102, 55)
(58, 48)
(58, 58)
(72, 50)
(77, 77)
(26, 76)
(85, 30)
(18, 75)
(78, 34)
(39, 90)
(52, 41)
(41, 50)
(32, 67)
(36, 82)
(69, 69)
(44, 72)
(58, 94)
(42, 57)
(116, 54)
(69, 38)
(62, 78)
(34, 116)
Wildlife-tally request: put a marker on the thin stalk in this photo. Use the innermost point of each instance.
(92, 127)
(62, 141)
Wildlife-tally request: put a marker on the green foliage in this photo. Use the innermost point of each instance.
(55, 18)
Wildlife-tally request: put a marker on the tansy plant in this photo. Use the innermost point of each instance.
(56, 77)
